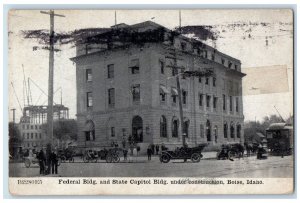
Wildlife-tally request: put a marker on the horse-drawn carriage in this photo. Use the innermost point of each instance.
(193, 153)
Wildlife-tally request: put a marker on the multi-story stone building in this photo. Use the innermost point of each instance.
(30, 126)
(130, 90)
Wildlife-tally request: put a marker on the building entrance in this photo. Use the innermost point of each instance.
(137, 129)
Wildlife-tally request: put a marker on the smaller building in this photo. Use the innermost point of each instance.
(31, 124)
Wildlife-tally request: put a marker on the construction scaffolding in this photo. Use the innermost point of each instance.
(37, 114)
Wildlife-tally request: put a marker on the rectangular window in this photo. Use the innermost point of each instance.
(36, 127)
(223, 61)
(23, 126)
(40, 135)
(183, 46)
(89, 76)
(229, 64)
(112, 131)
(31, 126)
(110, 71)
(162, 67)
(23, 135)
(89, 99)
(27, 127)
(230, 103)
(207, 101)
(162, 96)
(27, 135)
(31, 136)
(174, 98)
(205, 54)
(214, 81)
(215, 102)
(236, 67)
(224, 102)
(213, 57)
(207, 80)
(136, 93)
(135, 66)
(237, 104)
(184, 97)
(90, 135)
(111, 97)
(200, 99)
(36, 136)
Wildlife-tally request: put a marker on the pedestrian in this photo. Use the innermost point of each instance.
(123, 143)
(157, 149)
(149, 152)
(153, 149)
(41, 158)
(125, 154)
(54, 162)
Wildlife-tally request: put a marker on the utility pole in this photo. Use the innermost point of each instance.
(14, 116)
(51, 74)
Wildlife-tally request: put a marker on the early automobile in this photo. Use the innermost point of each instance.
(193, 153)
(230, 151)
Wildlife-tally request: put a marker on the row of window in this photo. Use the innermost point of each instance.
(31, 135)
(134, 66)
(175, 127)
(135, 90)
(31, 127)
(33, 144)
(204, 53)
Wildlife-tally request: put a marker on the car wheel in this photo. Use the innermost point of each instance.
(165, 158)
(85, 159)
(27, 163)
(116, 159)
(195, 157)
(230, 155)
(109, 159)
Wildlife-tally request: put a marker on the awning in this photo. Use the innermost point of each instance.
(276, 126)
(174, 91)
(89, 126)
(163, 90)
(260, 135)
(134, 63)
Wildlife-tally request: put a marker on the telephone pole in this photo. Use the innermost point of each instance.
(51, 74)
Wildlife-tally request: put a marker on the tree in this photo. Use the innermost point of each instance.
(252, 127)
(15, 139)
(63, 129)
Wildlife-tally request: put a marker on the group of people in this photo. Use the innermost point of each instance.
(154, 148)
(48, 162)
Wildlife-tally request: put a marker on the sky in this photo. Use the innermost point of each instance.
(258, 38)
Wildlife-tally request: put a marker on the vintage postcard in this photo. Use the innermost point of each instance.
(151, 102)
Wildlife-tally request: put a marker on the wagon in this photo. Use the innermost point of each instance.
(193, 153)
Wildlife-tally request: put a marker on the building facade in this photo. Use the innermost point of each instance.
(30, 126)
(131, 92)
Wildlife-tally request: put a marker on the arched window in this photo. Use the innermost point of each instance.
(216, 133)
(186, 126)
(201, 130)
(231, 130)
(225, 129)
(175, 125)
(208, 129)
(238, 130)
(89, 130)
(163, 126)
